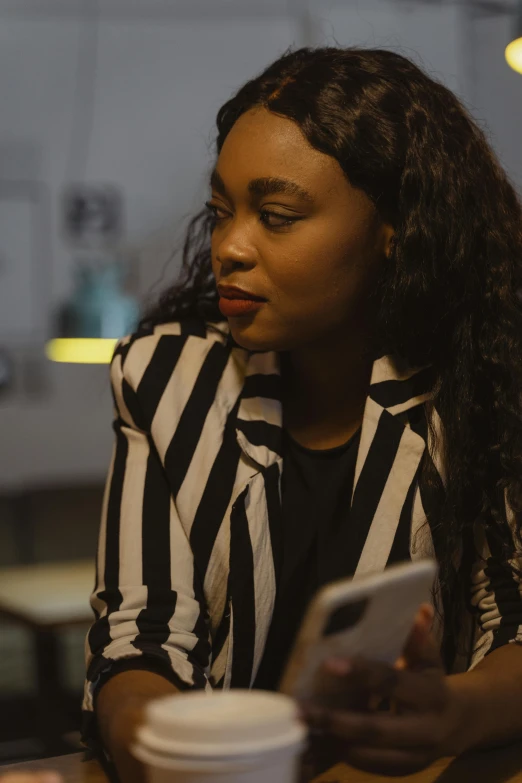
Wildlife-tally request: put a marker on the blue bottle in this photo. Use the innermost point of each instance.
(99, 307)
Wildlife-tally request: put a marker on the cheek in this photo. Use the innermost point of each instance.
(312, 284)
(331, 264)
(214, 263)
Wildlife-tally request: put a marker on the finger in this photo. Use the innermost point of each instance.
(387, 762)
(339, 667)
(422, 691)
(425, 616)
(333, 686)
(421, 650)
(422, 624)
(373, 677)
(351, 698)
(378, 730)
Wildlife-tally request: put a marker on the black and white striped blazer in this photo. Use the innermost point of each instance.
(189, 546)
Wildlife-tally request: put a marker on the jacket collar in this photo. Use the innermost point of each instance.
(394, 388)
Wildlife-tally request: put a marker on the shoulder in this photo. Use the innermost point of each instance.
(157, 350)
(166, 360)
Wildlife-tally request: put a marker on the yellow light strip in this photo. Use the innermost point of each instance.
(513, 55)
(81, 350)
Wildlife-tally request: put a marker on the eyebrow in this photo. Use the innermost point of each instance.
(264, 186)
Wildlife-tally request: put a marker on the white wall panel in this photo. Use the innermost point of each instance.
(426, 33)
(163, 68)
(159, 89)
(158, 86)
(498, 93)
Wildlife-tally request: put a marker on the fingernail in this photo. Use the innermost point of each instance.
(302, 711)
(309, 708)
(340, 667)
(318, 720)
(429, 615)
(314, 714)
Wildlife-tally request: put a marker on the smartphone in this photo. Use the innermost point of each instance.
(369, 617)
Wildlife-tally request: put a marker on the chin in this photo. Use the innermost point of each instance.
(252, 338)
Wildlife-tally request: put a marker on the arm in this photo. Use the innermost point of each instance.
(432, 714)
(436, 714)
(148, 600)
(491, 692)
(120, 707)
(490, 697)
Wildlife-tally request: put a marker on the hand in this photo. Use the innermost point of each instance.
(416, 727)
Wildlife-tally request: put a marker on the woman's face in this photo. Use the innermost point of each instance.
(313, 251)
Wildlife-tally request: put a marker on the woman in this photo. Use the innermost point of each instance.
(333, 386)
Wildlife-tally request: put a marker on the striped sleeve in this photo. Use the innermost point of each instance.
(147, 601)
(497, 591)
(496, 585)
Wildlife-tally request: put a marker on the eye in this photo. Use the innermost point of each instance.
(284, 220)
(214, 211)
(266, 216)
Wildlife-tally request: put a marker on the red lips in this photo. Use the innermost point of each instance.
(232, 308)
(235, 301)
(234, 292)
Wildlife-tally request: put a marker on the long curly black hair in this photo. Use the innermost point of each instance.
(449, 296)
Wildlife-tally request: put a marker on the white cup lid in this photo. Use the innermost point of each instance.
(221, 723)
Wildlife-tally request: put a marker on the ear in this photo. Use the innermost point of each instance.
(389, 239)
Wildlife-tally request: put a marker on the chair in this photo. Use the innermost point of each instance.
(46, 599)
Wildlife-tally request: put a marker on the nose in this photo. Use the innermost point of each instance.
(234, 251)
(229, 264)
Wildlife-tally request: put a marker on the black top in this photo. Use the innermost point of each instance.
(316, 494)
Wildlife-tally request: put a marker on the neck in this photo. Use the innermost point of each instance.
(325, 386)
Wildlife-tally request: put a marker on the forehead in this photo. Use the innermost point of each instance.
(264, 144)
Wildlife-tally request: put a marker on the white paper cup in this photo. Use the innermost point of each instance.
(236, 736)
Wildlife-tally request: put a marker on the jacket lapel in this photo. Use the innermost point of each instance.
(387, 462)
(255, 517)
(260, 414)
(389, 451)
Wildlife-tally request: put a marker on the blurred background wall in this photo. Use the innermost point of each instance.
(124, 93)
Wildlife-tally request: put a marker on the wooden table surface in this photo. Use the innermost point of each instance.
(489, 766)
(48, 594)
